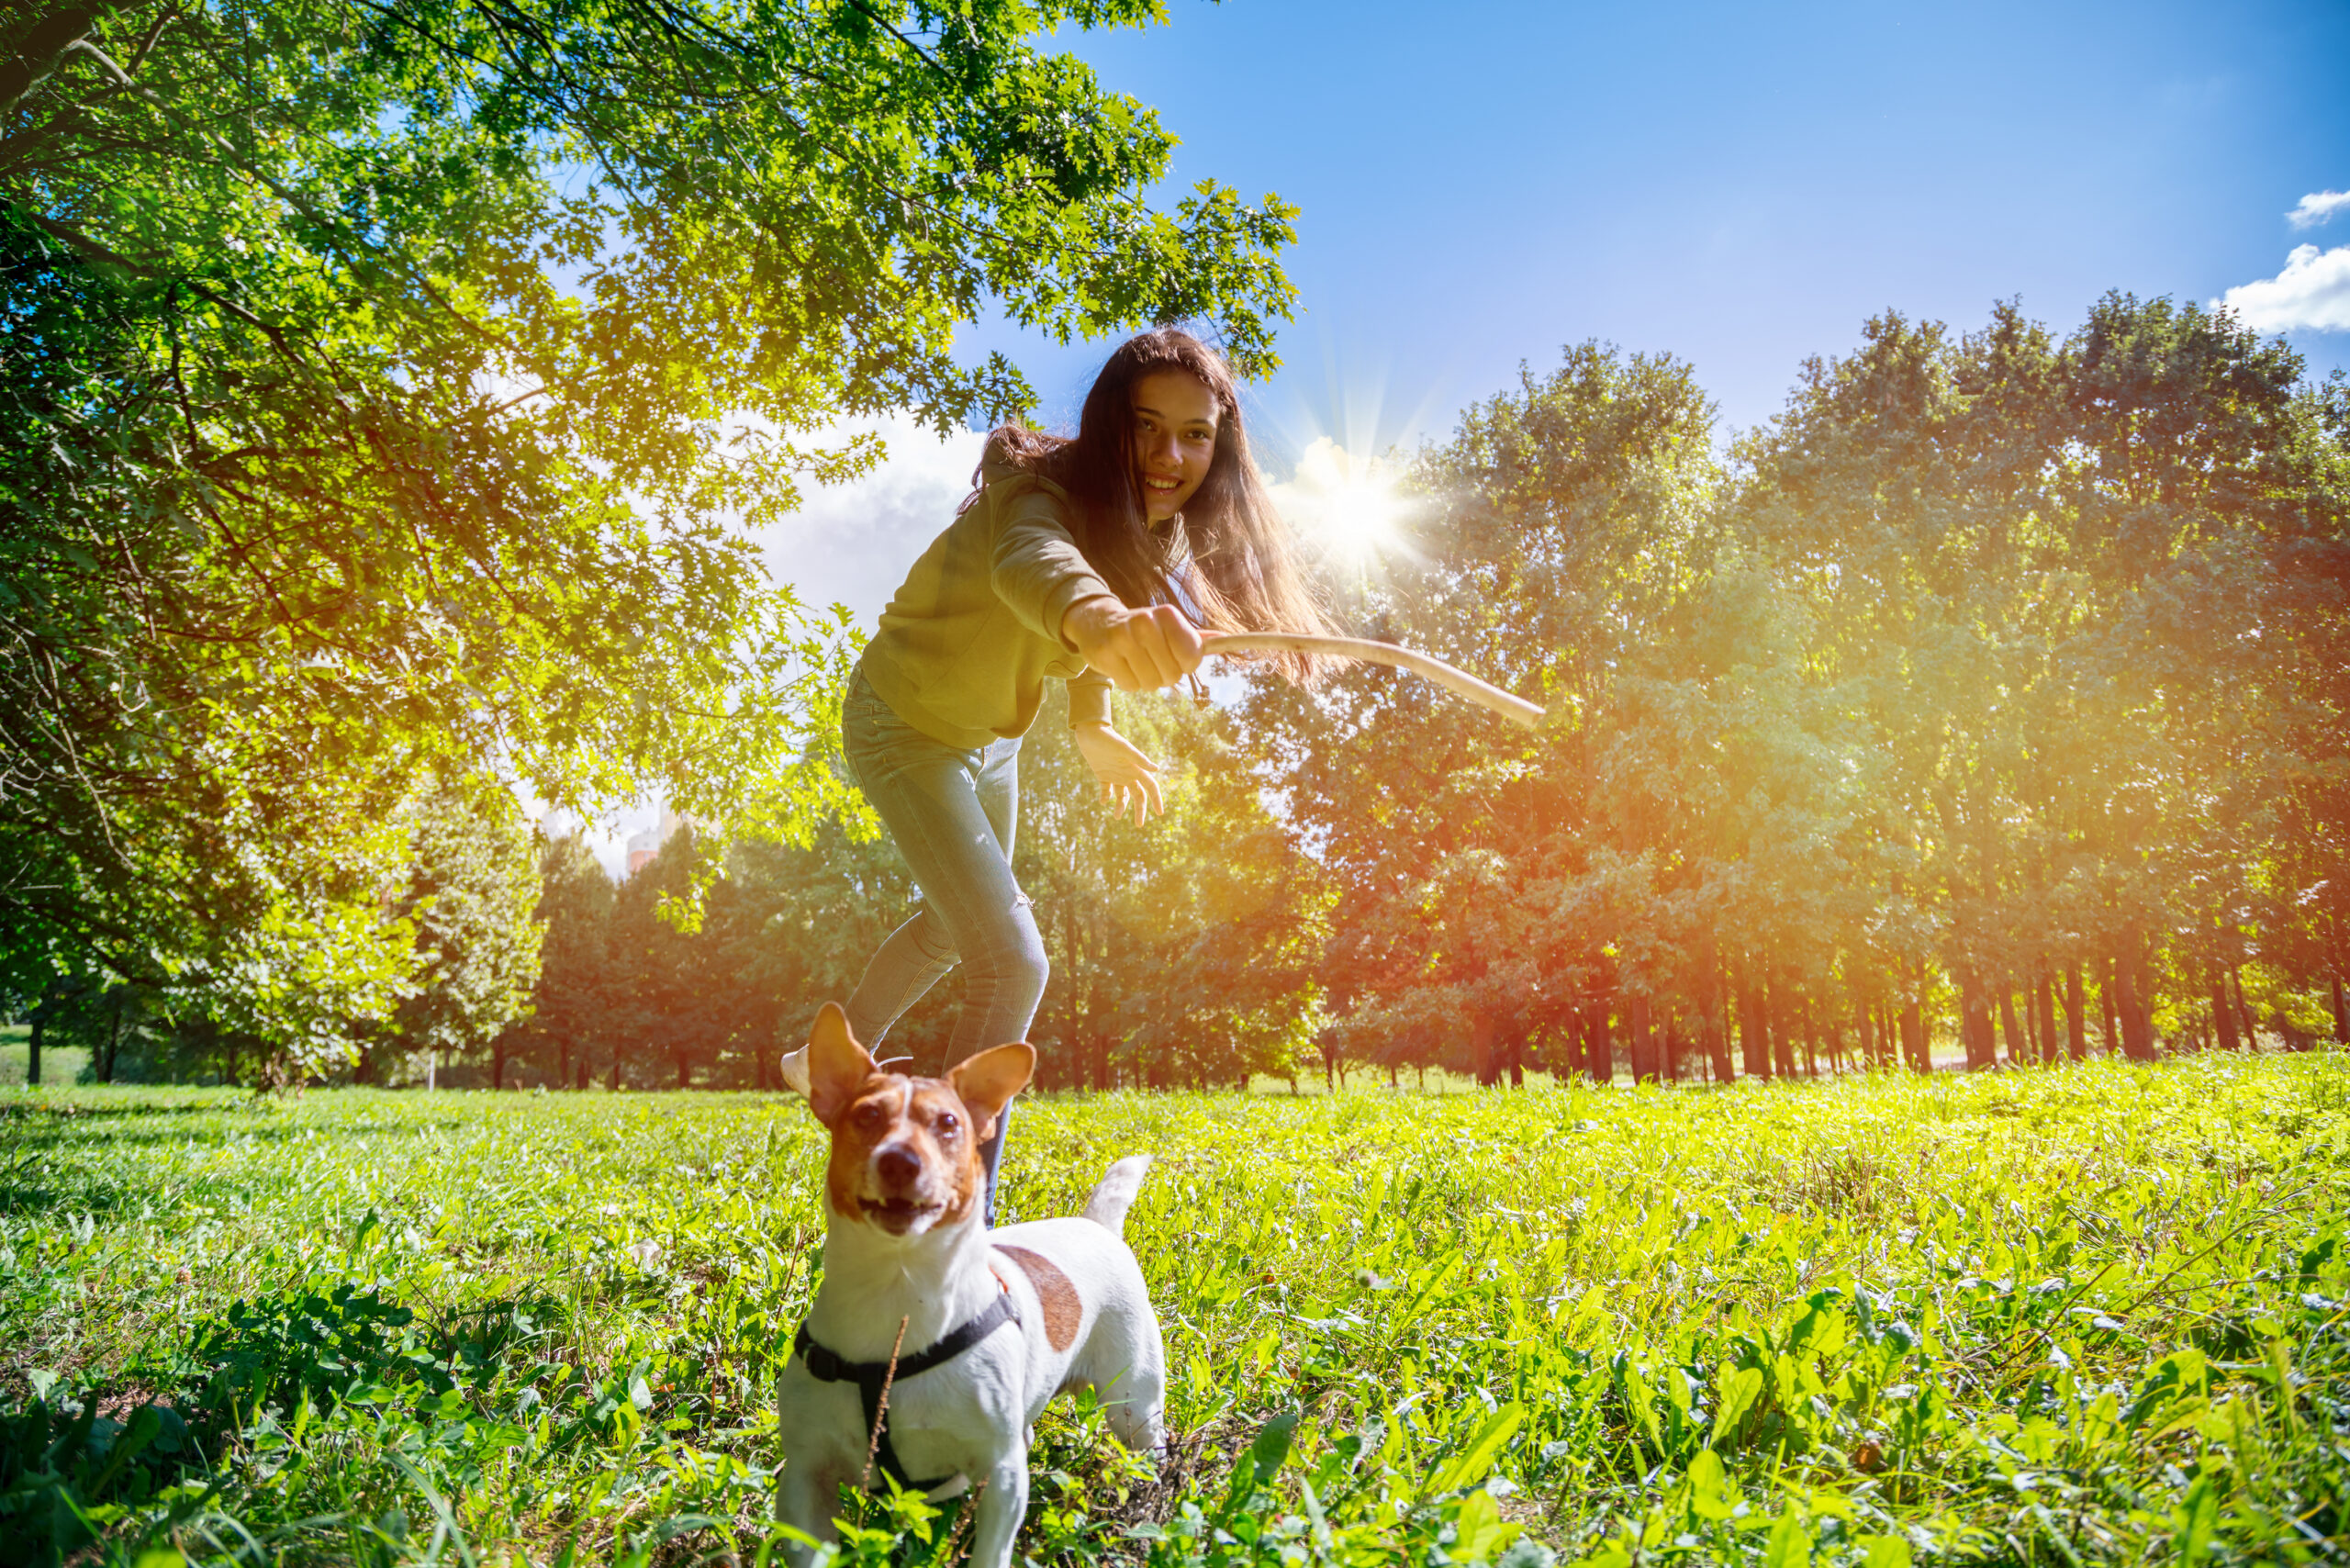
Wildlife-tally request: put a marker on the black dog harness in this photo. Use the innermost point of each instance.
(872, 1377)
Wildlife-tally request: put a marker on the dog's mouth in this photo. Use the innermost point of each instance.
(899, 1214)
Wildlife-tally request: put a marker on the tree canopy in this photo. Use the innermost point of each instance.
(387, 392)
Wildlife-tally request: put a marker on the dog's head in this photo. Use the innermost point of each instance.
(905, 1150)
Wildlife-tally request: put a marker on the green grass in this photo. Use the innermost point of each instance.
(2093, 1316)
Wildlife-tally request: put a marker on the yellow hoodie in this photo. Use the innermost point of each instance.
(966, 642)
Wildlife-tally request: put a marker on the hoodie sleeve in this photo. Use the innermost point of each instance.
(1037, 567)
(1089, 698)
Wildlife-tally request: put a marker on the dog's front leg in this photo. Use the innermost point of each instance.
(808, 1496)
(1000, 1509)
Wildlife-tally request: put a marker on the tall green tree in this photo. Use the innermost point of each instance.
(472, 886)
(566, 1031)
(1183, 949)
(1494, 889)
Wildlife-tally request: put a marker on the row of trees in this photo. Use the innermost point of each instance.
(1181, 951)
(1991, 698)
(1999, 684)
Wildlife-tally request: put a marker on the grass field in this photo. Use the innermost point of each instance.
(2091, 1315)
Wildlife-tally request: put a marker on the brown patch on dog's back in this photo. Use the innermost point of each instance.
(1063, 1312)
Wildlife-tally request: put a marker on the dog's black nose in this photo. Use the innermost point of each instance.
(897, 1167)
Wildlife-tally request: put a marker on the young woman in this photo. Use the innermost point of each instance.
(1096, 560)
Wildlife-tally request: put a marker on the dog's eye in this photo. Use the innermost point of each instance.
(871, 1115)
(949, 1124)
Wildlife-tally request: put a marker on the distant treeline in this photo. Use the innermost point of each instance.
(1995, 696)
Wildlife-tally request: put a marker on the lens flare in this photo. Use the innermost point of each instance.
(1342, 505)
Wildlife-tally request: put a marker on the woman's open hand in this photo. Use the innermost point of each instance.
(1140, 650)
(1125, 774)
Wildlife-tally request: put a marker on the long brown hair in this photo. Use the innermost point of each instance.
(1241, 575)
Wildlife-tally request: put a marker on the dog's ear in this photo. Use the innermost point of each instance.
(837, 1064)
(986, 1081)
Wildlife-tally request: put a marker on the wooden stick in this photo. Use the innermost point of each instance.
(1516, 710)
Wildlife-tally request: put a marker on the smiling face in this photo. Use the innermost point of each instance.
(1175, 420)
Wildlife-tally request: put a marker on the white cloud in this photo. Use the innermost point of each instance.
(851, 544)
(2312, 291)
(2317, 206)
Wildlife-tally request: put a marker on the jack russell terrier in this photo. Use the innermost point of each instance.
(934, 1342)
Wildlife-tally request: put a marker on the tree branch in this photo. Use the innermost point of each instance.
(44, 45)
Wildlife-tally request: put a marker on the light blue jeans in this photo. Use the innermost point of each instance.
(953, 814)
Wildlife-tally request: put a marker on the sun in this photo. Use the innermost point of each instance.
(1342, 505)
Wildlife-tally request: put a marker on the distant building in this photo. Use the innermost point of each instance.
(643, 846)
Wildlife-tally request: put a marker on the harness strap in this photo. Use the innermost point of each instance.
(871, 1377)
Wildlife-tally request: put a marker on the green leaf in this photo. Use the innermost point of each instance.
(1710, 1494)
(1789, 1547)
(1886, 1552)
(1737, 1394)
(1481, 1531)
(2196, 1520)
(1471, 1464)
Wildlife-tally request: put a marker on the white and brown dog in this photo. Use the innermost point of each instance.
(972, 1331)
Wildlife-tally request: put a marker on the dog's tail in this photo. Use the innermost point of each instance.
(1107, 1207)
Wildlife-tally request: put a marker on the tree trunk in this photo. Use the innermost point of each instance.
(2243, 1011)
(2341, 1014)
(615, 1085)
(2223, 1016)
(1753, 1029)
(33, 1041)
(2076, 1024)
(1603, 1045)
(2135, 1007)
(563, 1061)
(1643, 1039)
(1482, 1052)
(1712, 1034)
(498, 1063)
(114, 1044)
(1975, 1027)
(2108, 994)
(41, 46)
(1775, 1012)
(2019, 1048)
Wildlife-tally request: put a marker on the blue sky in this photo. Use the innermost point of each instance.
(1741, 185)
